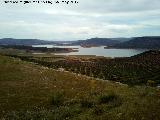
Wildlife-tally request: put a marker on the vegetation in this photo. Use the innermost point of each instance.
(137, 70)
(96, 42)
(29, 91)
(148, 42)
(37, 49)
(12, 41)
(140, 42)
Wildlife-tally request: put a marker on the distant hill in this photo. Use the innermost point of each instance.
(135, 42)
(141, 42)
(11, 41)
(121, 39)
(92, 41)
(97, 41)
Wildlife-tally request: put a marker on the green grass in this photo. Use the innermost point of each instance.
(29, 91)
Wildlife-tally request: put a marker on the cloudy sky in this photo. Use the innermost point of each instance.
(87, 19)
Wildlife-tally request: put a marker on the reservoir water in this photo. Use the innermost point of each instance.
(98, 51)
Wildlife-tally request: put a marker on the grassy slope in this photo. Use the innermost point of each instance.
(30, 91)
(142, 69)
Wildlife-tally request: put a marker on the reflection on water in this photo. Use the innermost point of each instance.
(98, 51)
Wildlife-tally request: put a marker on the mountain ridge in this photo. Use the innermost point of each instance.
(12, 41)
(147, 42)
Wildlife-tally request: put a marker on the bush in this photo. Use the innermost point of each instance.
(98, 111)
(57, 99)
(86, 104)
(151, 83)
(107, 98)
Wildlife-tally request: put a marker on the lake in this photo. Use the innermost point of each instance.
(98, 51)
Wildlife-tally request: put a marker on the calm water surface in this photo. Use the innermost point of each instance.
(98, 51)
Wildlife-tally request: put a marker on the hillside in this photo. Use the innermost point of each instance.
(29, 91)
(141, 69)
(11, 41)
(140, 42)
(97, 42)
(31, 49)
(121, 39)
(136, 42)
(93, 41)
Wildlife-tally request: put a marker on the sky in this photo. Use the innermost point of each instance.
(79, 21)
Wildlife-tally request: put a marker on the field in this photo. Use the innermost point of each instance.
(31, 91)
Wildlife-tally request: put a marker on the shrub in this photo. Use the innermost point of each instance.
(97, 111)
(108, 98)
(57, 99)
(151, 83)
(86, 104)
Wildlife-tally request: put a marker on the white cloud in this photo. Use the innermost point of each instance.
(90, 18)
